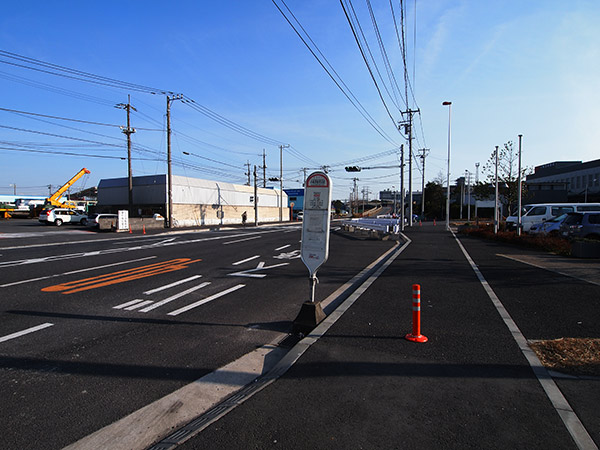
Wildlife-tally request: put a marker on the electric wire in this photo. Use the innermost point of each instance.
(328, 68)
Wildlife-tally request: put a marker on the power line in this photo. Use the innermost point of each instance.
(66, 72)
(328, 68)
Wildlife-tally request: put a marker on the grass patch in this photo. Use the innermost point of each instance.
(573, 356)
(548, 243)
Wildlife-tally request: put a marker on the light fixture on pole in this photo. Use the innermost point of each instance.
(449, 105)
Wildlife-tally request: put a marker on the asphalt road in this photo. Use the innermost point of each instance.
(94, 326)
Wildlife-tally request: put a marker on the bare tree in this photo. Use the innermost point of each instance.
(508, 174)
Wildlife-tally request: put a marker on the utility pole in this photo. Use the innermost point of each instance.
(247, 173)
(128, 132)
(264, 168)
(402, 187)
(477, 173)
(255, 200)
(169, 173)
(304, 169)
(281, 147)
(408, 130)
(423, 154)
(354, 194)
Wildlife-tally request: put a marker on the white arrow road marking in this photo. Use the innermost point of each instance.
(206, 300)
(261, 266)
(291, 255)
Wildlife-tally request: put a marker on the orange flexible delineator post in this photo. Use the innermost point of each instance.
(144, 229)
(416, 335)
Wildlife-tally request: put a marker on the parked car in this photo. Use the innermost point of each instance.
(300, 215)
(581, 225)
(58, 216)
(94, 219)
(541, 212)
(550, 226)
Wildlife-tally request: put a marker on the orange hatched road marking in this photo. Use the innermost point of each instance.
(121, 276)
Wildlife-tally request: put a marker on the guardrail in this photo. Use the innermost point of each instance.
(381, 225)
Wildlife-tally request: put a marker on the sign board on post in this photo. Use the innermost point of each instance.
(123, 219)
(315, 244)
(316, 221)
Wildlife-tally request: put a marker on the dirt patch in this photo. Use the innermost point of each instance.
(574, 356)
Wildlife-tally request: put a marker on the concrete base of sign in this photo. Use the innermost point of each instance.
(311, 314)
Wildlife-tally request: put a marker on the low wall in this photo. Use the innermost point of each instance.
(199, 215)
(136, 223)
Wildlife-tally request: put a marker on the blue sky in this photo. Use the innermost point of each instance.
(509, 68)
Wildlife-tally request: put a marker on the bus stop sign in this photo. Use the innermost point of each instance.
(316, 221)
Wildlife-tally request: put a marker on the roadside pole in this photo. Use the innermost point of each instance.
(314, 249)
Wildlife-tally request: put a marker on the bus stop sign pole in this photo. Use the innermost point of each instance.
(314, 249)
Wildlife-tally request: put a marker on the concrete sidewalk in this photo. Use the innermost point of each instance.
(362, 385)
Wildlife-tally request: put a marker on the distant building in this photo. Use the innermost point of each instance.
(295, 199)
(196, 202)
(562, 181)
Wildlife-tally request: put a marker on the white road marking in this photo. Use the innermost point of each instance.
(241, 240)
(281, 248)
(206, 300)
(76, 271)
(245, 260)
(249, 273)
(139, 305)
(24, 332)
(177, 283)
(174, 297)
(126, 304)
(294, 254)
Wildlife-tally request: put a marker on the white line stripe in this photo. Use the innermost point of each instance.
(139, 305)
(76, 271)
(516, 258)
(206, 300)
(560, 403)
(174, 297)
(177, 283)
(245, 260)
(241, 240)
(125, 305)
(24, 332)
(281, 248)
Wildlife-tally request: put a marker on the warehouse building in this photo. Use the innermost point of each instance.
(196, 202)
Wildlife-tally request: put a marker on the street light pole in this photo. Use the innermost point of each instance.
(281, 147)
(496, 197)
(520, 191)
(449, 105)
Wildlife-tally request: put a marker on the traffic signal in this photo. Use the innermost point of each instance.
(353, 169)
(273, 179)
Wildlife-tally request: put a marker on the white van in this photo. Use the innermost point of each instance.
(540, 212)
